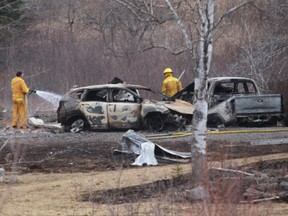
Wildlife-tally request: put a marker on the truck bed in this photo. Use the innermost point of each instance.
(258, 104)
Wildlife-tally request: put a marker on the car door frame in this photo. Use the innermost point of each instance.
(95, 111)
(124, 114)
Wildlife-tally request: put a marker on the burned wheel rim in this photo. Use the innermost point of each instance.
(154, 122)
(77, 126)
(215, 121)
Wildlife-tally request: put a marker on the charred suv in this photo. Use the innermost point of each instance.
(120, 106)
(237, 101)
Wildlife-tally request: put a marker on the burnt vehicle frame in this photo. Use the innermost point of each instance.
(119, 106)
(237, 101)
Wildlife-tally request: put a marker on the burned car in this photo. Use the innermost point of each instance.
(237, 101)
(120, 106)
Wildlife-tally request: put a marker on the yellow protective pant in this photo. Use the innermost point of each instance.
(19, 113)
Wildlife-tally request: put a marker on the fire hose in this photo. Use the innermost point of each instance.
(189, 133)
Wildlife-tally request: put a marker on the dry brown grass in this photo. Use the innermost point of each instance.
(57, 194)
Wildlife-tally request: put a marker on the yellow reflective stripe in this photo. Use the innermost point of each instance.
(188, 133)
(19, 99)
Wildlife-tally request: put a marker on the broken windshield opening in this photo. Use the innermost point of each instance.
(151, 95)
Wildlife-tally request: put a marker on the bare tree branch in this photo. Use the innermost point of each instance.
(232, 10)
(181, 26)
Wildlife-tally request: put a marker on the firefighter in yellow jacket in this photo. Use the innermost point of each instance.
(19, 91)
(171, 85)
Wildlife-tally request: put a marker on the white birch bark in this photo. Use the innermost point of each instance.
(205, 9)
(198, 147)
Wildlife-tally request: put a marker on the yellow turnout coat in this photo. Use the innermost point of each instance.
(19, 90)
(171, 85)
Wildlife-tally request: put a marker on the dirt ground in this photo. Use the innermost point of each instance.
(39, 150)
(50, 151)
(45, 151)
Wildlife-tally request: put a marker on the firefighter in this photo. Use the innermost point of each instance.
(19, 91)
(171, 85)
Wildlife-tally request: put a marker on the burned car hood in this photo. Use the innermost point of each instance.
(179, 106)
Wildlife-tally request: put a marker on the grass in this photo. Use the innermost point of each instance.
(58, 194)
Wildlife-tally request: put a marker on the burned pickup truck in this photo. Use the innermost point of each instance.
(237, 101)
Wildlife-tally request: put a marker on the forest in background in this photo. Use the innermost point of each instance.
(60, 43)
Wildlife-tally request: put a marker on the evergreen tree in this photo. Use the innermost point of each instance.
(11, 18)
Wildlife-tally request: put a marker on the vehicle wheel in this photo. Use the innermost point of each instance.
(179, 122)
(77, 125)
(214, 121)
(154, 122)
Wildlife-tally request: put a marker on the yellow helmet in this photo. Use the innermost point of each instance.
(167, 70)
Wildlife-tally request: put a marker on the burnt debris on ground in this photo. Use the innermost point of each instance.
(42, 151)
(225, 186)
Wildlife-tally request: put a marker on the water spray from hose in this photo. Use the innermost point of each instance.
(50, 97)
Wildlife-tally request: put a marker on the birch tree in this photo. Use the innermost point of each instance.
(196, 28)
(207, 28)
(198, 146)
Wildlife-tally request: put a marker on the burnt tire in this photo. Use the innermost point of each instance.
(154, 122)
(215, 121)
(76, 125)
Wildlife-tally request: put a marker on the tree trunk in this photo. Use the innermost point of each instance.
(198, 146)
